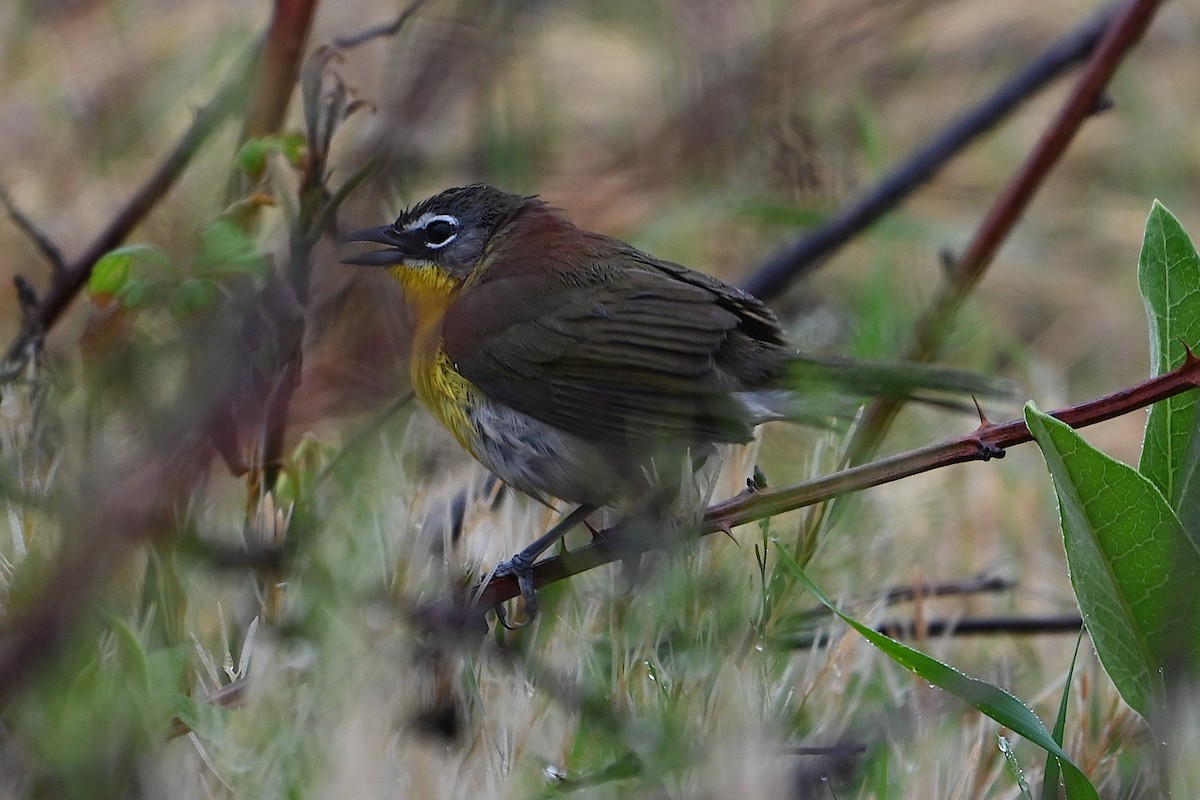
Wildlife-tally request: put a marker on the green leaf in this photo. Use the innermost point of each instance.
(991, 700)
(112, 272)
(226, 247)
(139, 292)
(783, 215)
(1014, 769)
(1133, 567)
(1169, 278)
(1050, 774)
(252, 157)
(194, 294)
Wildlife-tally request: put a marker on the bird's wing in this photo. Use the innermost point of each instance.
(623, 347)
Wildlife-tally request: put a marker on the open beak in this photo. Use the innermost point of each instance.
(394, 251)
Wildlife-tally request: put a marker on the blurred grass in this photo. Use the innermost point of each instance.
(709, 133)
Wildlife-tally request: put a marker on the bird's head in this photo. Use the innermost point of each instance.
(450, 231)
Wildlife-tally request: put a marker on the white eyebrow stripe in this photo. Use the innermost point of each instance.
(428, 217)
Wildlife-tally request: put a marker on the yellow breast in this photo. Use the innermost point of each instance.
(448, 395)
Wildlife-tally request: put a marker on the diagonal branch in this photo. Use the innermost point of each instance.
(1123, 33)
(72, 277)
(41, 241)
(772, 277)
(283, 50)
(988, 441)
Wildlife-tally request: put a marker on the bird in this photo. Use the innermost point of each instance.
(576, 367)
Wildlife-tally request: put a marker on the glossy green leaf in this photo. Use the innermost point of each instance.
(1169, 278)
(1014, 769)
(991, 700)
(1133, 567)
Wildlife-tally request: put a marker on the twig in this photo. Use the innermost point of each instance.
(41, 241)
(326, 105)
(1123, 32)
(772, 277)
(989, 441)
(905, 594)
(74, 276)
(283, 50)
(379, 31)
(967, 626)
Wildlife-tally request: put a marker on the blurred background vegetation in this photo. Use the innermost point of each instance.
(709, 132)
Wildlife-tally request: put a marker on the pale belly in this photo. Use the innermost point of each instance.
(531, 456)
(541, 460)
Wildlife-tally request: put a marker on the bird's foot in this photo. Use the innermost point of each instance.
(520, 567)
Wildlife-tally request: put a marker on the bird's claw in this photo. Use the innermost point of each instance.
(520, 567)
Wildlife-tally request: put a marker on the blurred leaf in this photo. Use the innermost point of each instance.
(130, 653)
(194, 294)
(784, 215)
(164, 596)
(1133, 566)
(140, 292)
(510, 150)
(112, 272)
(252, 157)
(1169, 278)
(991, 700)
(245, 213)
(870, 128)
(225, 247)
(626, 766)
(94, 715)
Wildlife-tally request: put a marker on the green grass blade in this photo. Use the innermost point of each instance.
(1133, 567)
(1051, 773)
(1169, 279)
(991, 700)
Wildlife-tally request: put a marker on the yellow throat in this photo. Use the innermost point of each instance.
(429, 292)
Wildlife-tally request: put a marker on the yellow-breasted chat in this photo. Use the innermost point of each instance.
(575, 366)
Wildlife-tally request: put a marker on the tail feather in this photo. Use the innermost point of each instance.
(815, 389)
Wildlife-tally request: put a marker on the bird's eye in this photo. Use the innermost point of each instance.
(440, 231)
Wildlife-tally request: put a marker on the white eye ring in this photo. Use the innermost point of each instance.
(423, 222)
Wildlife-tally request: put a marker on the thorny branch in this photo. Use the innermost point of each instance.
(771, 278)
(70, 278)
(988, 441)
(965, 272)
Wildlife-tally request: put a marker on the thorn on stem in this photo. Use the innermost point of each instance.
(984, 422)
(1104, 102)
(1189, 357)
(27, 297)
(947, 260)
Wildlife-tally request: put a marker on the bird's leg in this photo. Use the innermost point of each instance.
(520, 566)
